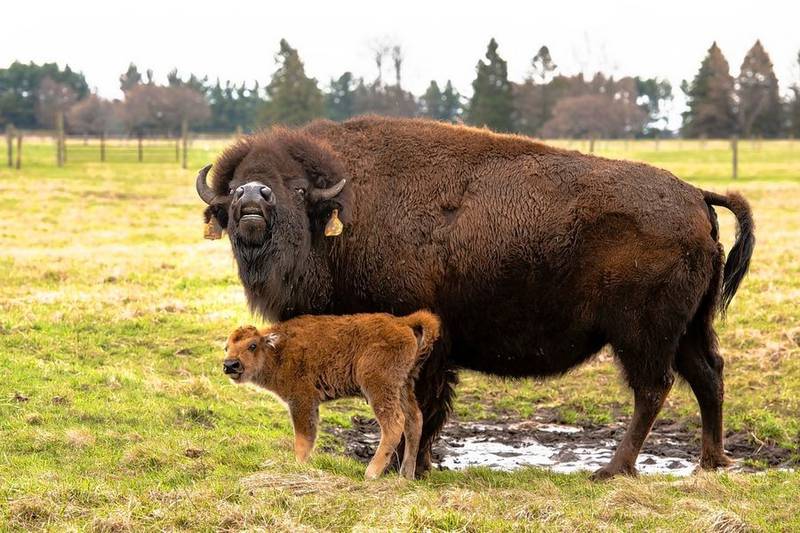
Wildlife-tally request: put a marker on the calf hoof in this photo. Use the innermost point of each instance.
(712, 462)
(609, 471)
(372, 473)
(407, 471)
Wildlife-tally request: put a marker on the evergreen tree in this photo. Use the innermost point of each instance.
(22, 92)
(130, 78)
(760, 107)
(432, 101)
(710, 99)
(340, 101)
(451, 103)
(441, 105)
(656, 94)
(294, 98)
(491, 104)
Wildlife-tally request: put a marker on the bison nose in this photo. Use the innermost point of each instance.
(254, 193)
(268, 195)
(232, 366)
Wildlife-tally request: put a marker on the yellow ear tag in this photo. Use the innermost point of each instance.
(212, 230)
(334, 226)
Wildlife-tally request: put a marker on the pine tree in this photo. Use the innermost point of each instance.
(130, 78)
(441, 105)
(759, 103)
(451, 103)
(491, 104)
(432, 101)
(340, 101)
(710, 99)
(294, 98)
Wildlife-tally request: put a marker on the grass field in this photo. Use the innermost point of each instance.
(114, 414)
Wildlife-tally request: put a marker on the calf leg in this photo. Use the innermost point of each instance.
(386, 404)
(411, 433)
(305, 415)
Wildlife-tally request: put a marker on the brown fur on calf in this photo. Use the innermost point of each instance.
(312, 359)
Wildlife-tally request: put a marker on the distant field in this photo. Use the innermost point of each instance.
(114, 414)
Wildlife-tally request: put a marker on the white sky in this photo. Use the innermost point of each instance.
(237, 40)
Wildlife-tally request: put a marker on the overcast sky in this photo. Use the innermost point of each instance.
(441, 40)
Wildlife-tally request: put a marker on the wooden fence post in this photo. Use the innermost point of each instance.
(60, 139)
(177, 149)
(735, 150)
(10, 142)
(591, 144)
(185, 136)
(19, 150)
(139, 145)
(102, 146)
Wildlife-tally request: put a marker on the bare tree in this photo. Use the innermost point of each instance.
(52, 98)
(595, 116)
(379, 48)
(397, 59)
(94, 115)
(153, 107)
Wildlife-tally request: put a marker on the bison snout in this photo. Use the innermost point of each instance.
(232, 366)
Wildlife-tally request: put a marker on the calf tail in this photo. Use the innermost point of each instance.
(738, 261)
(426, 327)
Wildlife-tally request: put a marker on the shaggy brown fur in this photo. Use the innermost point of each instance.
(534, 257)
(312, 359)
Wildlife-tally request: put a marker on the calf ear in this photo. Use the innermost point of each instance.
(274, 341)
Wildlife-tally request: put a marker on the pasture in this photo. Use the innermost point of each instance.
(115, 415)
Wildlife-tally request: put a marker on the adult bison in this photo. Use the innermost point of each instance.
(534, 257)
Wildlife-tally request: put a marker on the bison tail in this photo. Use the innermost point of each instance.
(738, 260)
(426, 327)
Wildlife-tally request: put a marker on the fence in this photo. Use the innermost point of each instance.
(74, 149)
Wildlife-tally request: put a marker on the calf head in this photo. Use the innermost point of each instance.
(251, 356)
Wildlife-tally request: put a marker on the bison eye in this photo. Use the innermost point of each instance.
(300, 190)
(252, 347)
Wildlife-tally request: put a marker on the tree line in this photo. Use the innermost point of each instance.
(546, 103)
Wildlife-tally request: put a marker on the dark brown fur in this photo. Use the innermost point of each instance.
(312, 359)
(534, 257)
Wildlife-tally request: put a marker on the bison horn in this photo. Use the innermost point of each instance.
(203, 190)
(318, 195)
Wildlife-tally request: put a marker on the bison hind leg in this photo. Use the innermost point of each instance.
(699, 363)
(648, 370)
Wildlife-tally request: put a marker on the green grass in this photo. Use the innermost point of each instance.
(114, 414)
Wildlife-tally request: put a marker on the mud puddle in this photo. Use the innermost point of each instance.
(671, 448)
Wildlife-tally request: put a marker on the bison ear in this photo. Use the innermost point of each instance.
(329, 187)
(216, 216)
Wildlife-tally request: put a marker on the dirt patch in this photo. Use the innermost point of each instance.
(506, 444)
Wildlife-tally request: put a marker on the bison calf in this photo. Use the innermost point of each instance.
(312, 359)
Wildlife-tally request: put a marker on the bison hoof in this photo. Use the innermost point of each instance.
(716, 461)
(609, 471)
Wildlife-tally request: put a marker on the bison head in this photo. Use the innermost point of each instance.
(273, 193)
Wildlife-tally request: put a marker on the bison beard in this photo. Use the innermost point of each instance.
(534, 257)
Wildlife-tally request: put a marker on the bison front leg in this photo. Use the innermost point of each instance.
(305, 415)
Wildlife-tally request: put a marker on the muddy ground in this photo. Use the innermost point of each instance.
(543, 441)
